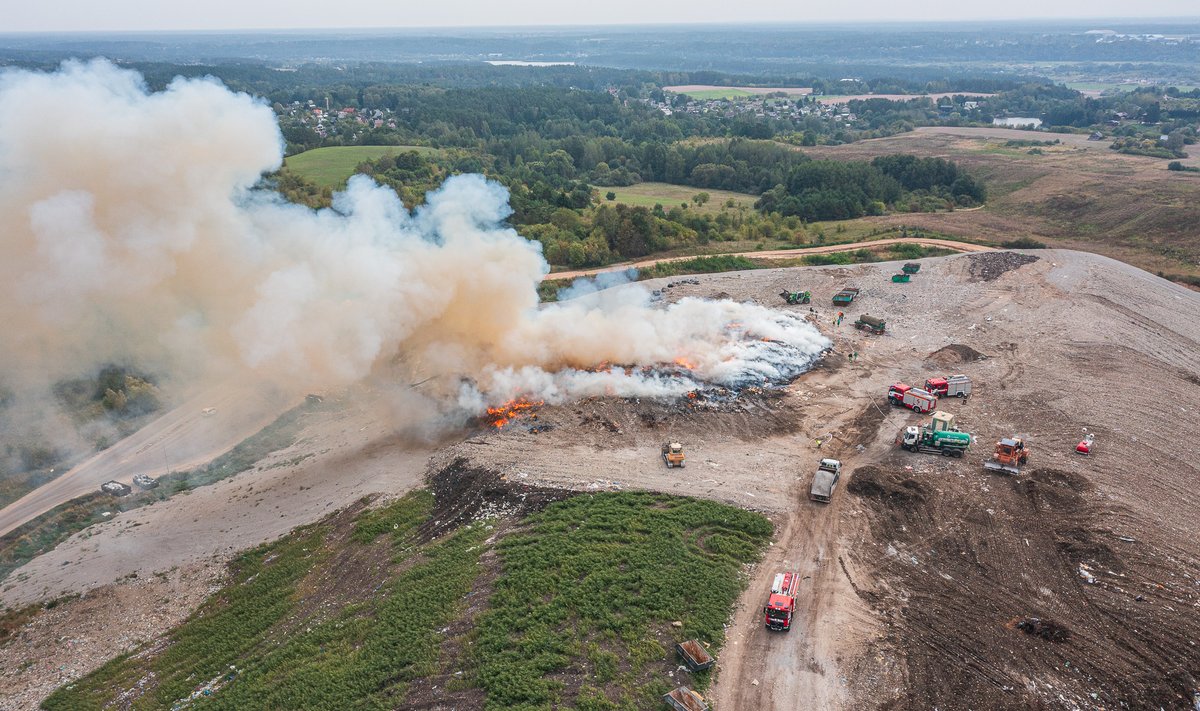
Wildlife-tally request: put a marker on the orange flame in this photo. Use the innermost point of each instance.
(685, 363)
(521, 407)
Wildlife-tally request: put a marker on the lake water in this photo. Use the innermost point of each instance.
(522, 63)
(1018, 122)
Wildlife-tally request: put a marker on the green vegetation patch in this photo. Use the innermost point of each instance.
(250, 646)
(698, 265)
(332, 166)
(704, 200)
(590, 589)
(225, 628)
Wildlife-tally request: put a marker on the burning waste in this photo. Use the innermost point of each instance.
(140, 231)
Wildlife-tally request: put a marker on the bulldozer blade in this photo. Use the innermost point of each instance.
(998, 467)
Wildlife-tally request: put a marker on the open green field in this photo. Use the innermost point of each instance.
(667, 195)
(710, 94)
(331, 167)
(567, 607)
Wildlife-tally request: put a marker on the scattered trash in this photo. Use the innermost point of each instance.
(1048, 630)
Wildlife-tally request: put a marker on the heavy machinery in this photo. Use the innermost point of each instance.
(951, 386)
(845, 296)
(796, 297)
(871, 324)
(1011, 454)
(914, 399)
(940, 436)
(782, 603)
(825, 480)
(911, 268)
(672, 454)
(901, 278)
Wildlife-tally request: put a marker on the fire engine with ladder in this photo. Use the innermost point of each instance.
(782, 602)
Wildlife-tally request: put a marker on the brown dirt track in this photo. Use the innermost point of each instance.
(928, 582)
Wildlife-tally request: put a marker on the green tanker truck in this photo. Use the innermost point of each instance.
(948, 443)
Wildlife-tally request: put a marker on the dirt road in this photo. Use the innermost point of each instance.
(779, 254)
(181, 439)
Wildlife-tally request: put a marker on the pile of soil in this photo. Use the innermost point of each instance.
(462, 492)
(970, 560)
(954, 354)
(990, 266)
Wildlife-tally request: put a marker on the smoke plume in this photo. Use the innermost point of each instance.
(134, 233)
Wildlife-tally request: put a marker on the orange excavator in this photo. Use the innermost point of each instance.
(1011, 454)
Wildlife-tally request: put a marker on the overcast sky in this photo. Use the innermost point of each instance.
(104, 15)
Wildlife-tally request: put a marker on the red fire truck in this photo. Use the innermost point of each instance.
(782, 602)
(913, 398)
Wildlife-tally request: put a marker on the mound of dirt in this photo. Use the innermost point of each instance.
(1048, 630)
(990, 266)
(954, 354)
(874, 483)
(462, 492)
(967, 565)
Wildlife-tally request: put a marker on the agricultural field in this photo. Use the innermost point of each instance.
(704, 91)
(331, 167)
(667, 195)
(378, 607)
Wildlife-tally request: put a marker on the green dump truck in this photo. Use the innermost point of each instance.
(901, 278)
(871, 324)
(911, 268)
(927, 440)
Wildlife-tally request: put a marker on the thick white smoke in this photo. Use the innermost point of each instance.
(133, 234)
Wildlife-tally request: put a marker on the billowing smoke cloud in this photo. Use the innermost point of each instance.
(133, 232)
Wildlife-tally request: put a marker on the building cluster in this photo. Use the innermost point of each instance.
(326, 121)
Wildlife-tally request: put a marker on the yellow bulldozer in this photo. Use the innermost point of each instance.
(672, 454)
(1011, 454)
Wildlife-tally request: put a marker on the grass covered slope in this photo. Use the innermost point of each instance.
(384, 608)
(582, 614)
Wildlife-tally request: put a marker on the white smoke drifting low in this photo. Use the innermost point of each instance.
(133, 234)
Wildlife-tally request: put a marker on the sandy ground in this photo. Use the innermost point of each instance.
(181, 439)
(917, 574)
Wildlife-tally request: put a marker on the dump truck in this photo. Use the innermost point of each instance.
(925, 439)
(672, 454)
(1010, 455)
(901, 278)
(116, 488)
(796, 297)
(695, 656)
(950, 386)
(871, 324)
(846, 295)
(145, 481)
(782, 602)
(911, 268)
(825, 480)
(914, 399)
(684, 699)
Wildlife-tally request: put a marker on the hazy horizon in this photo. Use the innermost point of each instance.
(274, 15)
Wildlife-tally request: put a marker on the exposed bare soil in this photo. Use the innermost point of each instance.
(928, 581)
